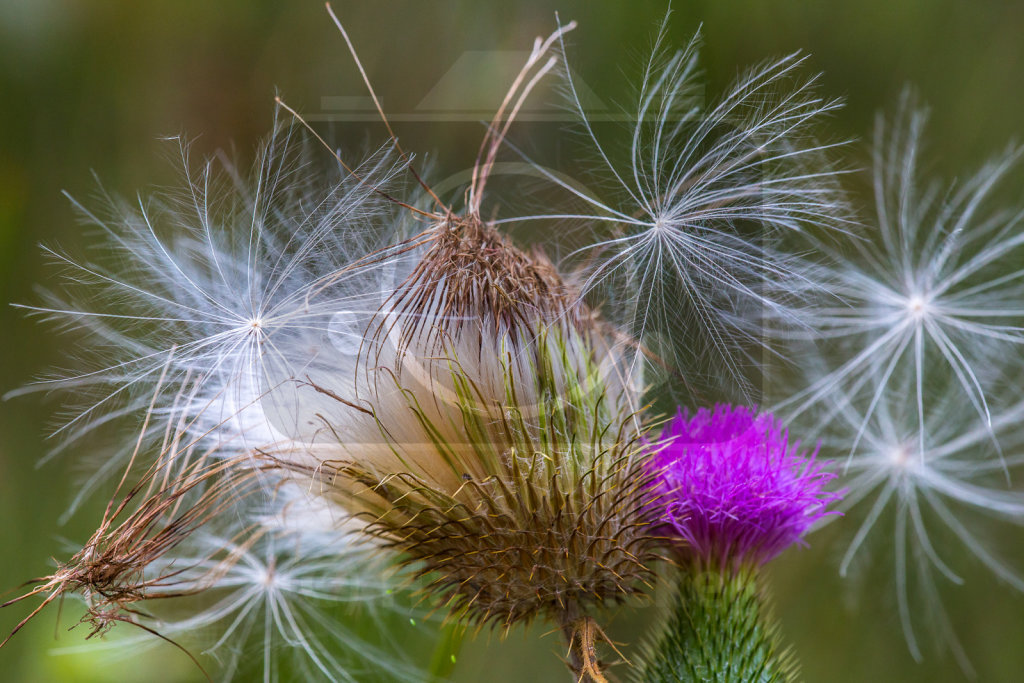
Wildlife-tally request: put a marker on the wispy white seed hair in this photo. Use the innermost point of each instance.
(226, 290)
(289, 604)
(935, 481)
(685, 233)
(937, 283)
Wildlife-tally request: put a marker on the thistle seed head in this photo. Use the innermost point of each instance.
(509, 461)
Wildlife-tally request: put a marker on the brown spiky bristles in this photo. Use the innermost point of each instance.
(512, 550)
(472, 274)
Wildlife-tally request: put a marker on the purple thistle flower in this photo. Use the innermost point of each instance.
(734, 488)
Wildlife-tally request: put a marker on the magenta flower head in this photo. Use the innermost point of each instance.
(734, 488)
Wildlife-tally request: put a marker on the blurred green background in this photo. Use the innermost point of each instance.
(92, 85)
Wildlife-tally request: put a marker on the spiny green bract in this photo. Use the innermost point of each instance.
(719, 631)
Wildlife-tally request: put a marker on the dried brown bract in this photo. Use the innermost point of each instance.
(150, 521)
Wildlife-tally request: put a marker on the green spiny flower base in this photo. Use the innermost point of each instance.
(720, 631)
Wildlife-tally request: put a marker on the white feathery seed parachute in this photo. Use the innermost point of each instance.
(282, 603)
(936, 284)
(687, 222)
(218, 292)
(286, 601)
(938, 483)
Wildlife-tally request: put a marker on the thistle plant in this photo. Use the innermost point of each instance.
(349, 391)
(509, 464)
(736, 494)
(469, 411)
